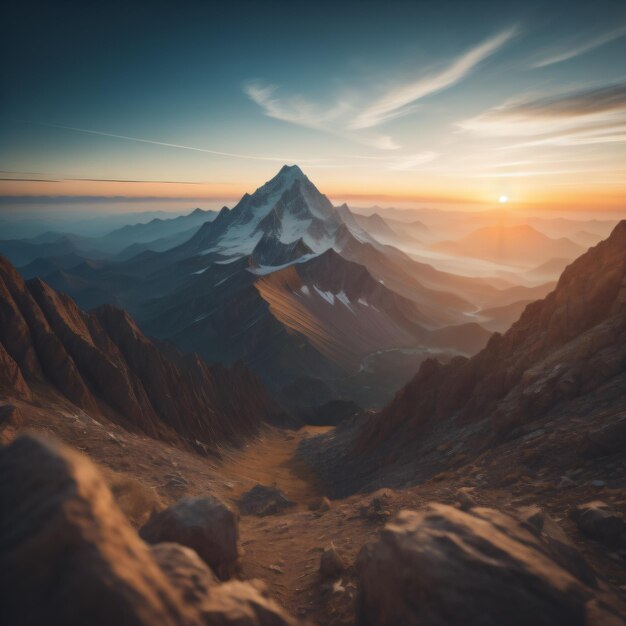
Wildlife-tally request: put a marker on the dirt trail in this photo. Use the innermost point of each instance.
(269, 459)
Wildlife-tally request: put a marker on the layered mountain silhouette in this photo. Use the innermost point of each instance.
(101, 362)
(520, 244)
(296, 288)
(48, 251)
(563, 362)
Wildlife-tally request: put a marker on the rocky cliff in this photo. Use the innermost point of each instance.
(102, 363)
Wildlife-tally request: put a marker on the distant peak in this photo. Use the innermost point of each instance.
(294, 169)
(290, 173)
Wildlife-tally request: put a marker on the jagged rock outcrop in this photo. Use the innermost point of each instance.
(444, 567)
(204, 524)
(104, 364)
(69, 557)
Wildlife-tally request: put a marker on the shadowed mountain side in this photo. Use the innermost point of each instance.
(102, 363)
(561, 352)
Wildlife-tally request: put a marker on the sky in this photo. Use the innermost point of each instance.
(395, 103)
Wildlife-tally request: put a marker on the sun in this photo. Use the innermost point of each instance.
(503, 199)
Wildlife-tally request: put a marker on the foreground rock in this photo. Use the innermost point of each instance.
(10, 420)
(233, 603)
(377, 508)
(67, 554)
(263, 500)
(444, 567)
(185, 570)
(69, 557)
(598, 521)
(206, 525)
(331, 564)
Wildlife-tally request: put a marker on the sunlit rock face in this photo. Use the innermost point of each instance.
(443, 566)
(70, 557)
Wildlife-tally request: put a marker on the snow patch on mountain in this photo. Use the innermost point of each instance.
(327, 295)
(263, 270)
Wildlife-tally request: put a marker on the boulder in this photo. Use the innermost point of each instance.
(67, 554)
(322, 504)
(237, 603)
(10, 421)
(219, 604)
(377, 507)
(558, 545)
(465, 498)
(204, 524)
(185, 570)
(263, 500)
(331, 564)
(598, 521)
(445, 567)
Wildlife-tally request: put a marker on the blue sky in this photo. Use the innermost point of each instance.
(446, 101)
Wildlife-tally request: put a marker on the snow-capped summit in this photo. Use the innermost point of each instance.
(287, 208)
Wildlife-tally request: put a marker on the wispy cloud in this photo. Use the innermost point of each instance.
(302, 112)
(295, 109)
(401, 99)
(352, 121)
(596, 115)
(581, 48)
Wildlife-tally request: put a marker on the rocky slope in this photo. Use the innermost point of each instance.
(563, 360)
(102, 363)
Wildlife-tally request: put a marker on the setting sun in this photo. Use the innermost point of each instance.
(503, 199)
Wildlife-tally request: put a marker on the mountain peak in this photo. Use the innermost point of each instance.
(293, 170)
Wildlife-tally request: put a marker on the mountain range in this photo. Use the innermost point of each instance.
(520, 244)
(297, 289)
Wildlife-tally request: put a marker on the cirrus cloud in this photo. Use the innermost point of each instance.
(593, 115)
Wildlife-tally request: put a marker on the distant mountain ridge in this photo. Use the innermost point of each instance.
(124, 241)
(511, 244)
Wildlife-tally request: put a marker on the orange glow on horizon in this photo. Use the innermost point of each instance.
(438, 192)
